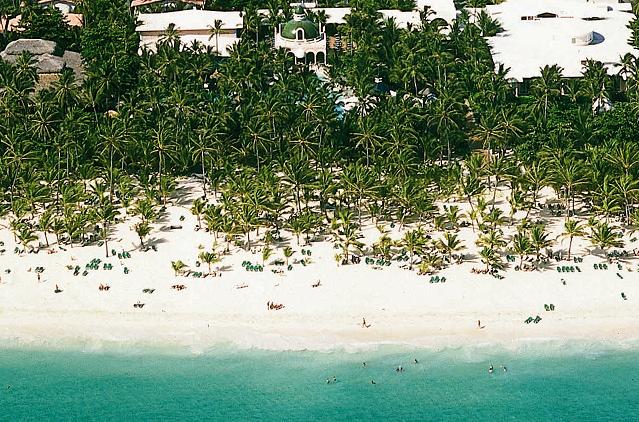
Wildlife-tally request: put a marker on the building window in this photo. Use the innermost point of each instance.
(300, 34)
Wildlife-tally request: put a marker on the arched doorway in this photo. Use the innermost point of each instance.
(320, 58)
(310, 58)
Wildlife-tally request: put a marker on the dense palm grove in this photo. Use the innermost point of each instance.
(277, 153)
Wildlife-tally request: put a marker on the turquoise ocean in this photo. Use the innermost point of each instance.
(576, 383)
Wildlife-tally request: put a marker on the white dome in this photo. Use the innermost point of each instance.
(584, 39)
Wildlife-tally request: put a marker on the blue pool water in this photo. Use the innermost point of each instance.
(231, 385)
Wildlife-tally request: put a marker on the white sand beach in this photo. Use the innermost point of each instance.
(400, 306)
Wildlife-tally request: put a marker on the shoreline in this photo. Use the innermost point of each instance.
(136, 333)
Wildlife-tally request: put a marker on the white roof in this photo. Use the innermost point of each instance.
(525, 46)
(188, 20)
(444, 9)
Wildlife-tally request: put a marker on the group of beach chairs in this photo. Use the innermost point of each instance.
(178, 287)
(568, 269)
(121, 255)
(550, 307)
(248, 266)
(533, 320)
(437, 279)
(306, 252)
(381, 262)
(600, 266)
(196, 274)
(149, 291)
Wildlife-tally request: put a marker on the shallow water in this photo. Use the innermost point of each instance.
(228, 384)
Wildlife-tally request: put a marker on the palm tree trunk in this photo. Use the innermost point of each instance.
(569, 247)
(203, 174)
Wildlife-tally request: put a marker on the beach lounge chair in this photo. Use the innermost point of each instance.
(528, 320)
(290, 267)
(619, 275)
(558, 269)
(623, 296)
(537, 319)
(552, 307)
(546, 307)
(605, 266)
(594, 266)
(578, 270)
(443, 280)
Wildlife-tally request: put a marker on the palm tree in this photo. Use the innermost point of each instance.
(367, 137)
(197, 209)
(572, 229)
(26, 236)
(547, 88)
(383, 246)
(288, 253)
(605, 237)
(142, 229)
(45, 223)
(267, 252)
(177, 266)
(347, 234)
(539, 239)
(216, 28)
(490, 257)
(450, 244)
(413, 242)
(522, 246)
(492, 239)
(209, 258)
(105, 213)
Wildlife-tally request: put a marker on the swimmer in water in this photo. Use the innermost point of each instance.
(334, 378)
(504, 368)
(415, 360)
(328, 381)
(373, 382)
(364, 364)
(490, 369)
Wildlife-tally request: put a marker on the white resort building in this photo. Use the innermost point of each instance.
(304, 39)
(562, 32)
(64, 6)
(217, 30)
